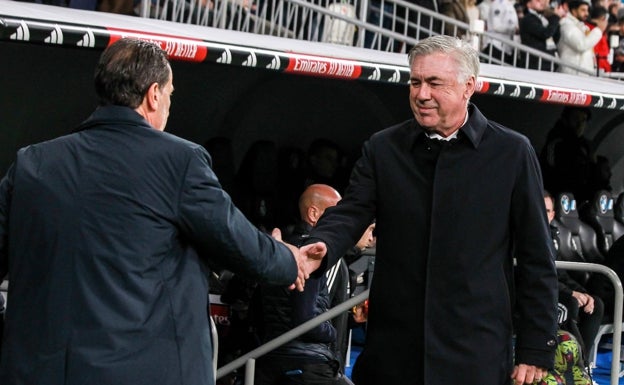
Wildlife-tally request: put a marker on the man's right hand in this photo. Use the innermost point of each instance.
(314, 254)
(302, 273)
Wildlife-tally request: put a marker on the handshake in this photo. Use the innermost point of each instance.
(308, 257)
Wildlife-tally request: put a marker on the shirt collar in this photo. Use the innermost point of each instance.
(473, 127)
(435, 135)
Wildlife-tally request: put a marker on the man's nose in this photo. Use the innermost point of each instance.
(423, 92)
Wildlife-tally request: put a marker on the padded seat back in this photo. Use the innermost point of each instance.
(581, 233)
(598, 213)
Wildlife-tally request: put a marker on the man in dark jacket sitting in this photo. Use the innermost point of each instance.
(310, 358)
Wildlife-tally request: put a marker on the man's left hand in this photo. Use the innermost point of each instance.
(527, 374)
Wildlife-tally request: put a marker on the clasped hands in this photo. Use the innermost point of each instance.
(308, 257)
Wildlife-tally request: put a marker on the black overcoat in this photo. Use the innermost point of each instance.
(448, 228)
(105, 233)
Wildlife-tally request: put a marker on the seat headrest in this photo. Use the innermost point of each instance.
(566, 206)
(602, 204)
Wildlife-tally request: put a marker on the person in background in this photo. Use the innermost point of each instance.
(585, 311)
(455, 9)
(577, 41)
(613, 9)
(567, 158)
(618, 53)
(109, 269)
(456, 198)
(502, 21)
(540, 31)
(317, 356)
(599, 15)
(472, 10)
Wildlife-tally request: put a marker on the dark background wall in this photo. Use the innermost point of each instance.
(46, 91)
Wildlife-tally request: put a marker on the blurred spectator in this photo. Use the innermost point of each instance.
(600, 283)
(255, 185)
(472, 10)
(599, 15)
(602, 174)
(502, 22)
(325, 164)
(613, 8)
(618, 53)
(540, 31)
(576, 42)
(519, 11)
(124, 7)
(457, 10)
(567, 158)
(291, 174)
(484, 10)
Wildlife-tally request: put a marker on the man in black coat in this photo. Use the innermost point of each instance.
(540, 30)
(457, 198)
(106, 234)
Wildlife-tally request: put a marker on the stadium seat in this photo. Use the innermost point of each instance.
(598, 213)
(618, 209)
(569, 250)
(581, 233)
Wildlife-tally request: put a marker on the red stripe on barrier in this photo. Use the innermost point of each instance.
(566, 97)
(177, 48)
(318, 67)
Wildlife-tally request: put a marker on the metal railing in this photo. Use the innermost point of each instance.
(249, 359)
(384, 25)
(617, 309)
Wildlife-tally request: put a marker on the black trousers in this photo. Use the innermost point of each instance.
(587, 324)
(298, 371)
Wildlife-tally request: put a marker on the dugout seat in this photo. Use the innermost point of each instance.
(581, 233)
(598, 213)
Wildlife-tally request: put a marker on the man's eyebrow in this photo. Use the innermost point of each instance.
(427, 79)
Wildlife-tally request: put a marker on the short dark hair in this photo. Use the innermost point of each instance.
(126, 70)
(597, 12)
(574, 4)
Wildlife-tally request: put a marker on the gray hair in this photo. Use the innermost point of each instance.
(467, 58)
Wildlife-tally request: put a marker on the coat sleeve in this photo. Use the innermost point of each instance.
(532, 26)
(6, 188)
(303, 305)
(535, 275)
(342, 226)
(577, 40)
(222, 234)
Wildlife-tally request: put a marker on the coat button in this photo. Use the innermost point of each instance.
(551, 343)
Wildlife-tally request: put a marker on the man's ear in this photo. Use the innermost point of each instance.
(312, 214)
(152, 96)
(471, 84)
